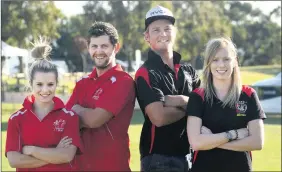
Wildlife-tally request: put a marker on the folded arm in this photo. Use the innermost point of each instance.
(160, 115)
(254, 141)
(92, 121)
(18, 160)
(176, 101)
(58, 155)
(200, 141)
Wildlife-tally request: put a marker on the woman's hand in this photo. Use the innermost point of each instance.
(205, 130)
(64, 142)
(27, 150)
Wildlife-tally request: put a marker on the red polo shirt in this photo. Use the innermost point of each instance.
(107, 147)
(25, 128)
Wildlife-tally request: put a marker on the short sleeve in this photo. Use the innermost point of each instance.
(74, 97)
(254, 109)
(13, 140)
(122, 91)
(72, 131)
(195, 105)
(148, 88)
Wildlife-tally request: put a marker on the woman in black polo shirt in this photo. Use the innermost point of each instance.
(225, 119)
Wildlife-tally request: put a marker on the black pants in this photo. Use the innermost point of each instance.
(163, 163)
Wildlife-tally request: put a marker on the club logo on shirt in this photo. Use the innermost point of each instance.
(241, 108)
(97, 94)
(113, 79)
(59, 125)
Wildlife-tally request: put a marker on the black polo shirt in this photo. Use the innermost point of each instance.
(154, 80)
(219, 119)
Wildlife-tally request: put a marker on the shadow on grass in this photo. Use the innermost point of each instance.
(274, 119)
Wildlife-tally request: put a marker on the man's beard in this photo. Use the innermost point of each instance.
(104, 65)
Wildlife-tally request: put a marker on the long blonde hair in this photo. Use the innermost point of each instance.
(234, 92)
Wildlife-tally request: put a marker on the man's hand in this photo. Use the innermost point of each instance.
(205, 130)
(27, 150)
(242, 133)
(176, 101)
(64, 142)
(77, 108)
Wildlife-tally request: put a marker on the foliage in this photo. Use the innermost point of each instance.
(256, 36)
(24, 21)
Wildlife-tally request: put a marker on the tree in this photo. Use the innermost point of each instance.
(24, 21)
(197, 22)
(255, 34)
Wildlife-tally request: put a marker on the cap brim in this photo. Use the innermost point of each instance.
(150, 20)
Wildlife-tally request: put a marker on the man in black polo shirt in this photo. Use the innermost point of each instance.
(163, 87)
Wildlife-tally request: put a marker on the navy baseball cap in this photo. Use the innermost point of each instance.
(158, 13)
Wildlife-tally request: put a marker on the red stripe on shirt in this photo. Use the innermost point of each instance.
(142, 72)
(195, 156)
(176, 68)
(152, 137)
(200, 92)
(248, 90)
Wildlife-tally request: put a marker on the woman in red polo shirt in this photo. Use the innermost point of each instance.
(43, 135)
(225, 118)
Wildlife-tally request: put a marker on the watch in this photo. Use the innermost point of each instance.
(229, 136)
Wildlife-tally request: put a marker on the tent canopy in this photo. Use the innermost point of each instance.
(10, 51)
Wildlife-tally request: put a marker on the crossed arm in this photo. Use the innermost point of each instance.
(34, 157)
(203, 139)
(172, 110)
(88, 120)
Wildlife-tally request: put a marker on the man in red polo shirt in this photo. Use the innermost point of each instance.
(104, 100)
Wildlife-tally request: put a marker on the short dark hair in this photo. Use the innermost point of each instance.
(102, 28)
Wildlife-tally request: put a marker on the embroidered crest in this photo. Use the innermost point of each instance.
(97, 94)
(59, 125)
(241, 107)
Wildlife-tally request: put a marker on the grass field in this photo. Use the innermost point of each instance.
(268, 159)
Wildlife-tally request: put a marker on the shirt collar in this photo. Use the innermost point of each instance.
(29, 101)
(107, 74)
(156, 59)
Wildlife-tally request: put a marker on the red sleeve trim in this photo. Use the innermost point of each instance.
(200, 92)
(143, 72)
(248, 90)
